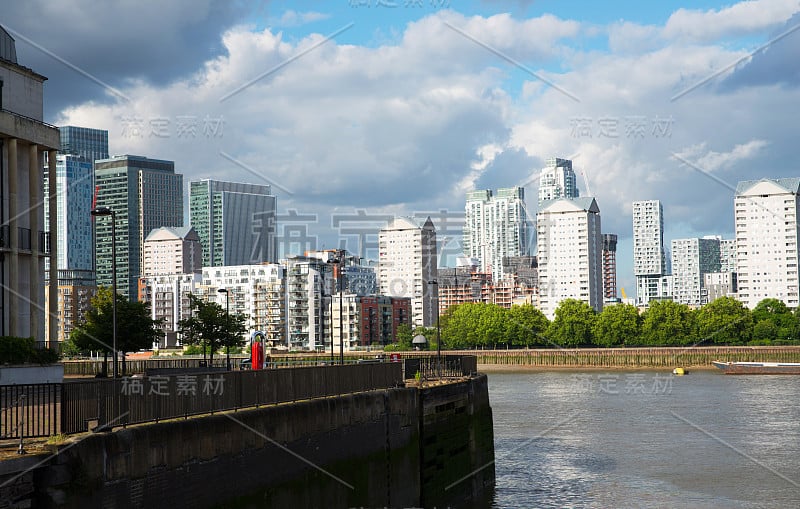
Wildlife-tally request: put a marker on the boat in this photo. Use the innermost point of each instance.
(758, 368)
(678, 371)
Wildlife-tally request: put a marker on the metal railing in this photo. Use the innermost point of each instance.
(451, 366)
(41, 410)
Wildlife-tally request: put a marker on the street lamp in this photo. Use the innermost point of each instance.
(105, 211)
(228, 331)
(438, 330)
(330, 262)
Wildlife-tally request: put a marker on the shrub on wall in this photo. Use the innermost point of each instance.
(14, 350)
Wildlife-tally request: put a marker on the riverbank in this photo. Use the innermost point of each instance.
(628, 358)
(502, 368)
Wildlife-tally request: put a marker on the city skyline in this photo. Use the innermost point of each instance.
(355, 147)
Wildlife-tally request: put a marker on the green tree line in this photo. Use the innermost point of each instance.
(724, 321)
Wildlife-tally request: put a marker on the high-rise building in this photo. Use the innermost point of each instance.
(495, 226)
(692, 259)
(727, 255)
(407, 266)
(380, 317)
(172, 251)
(610, 266)
(144, 194)
(309, 285)
(569, 253)
(84, 142)
(557, 180)
(24, 245)
(767, 249)
(236, 222)
(649, 256)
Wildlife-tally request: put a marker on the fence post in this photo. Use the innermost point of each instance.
(20, 421)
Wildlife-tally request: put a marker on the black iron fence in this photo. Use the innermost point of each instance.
(447, 366)
(40, 410)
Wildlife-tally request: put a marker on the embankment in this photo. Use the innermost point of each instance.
(404, 447)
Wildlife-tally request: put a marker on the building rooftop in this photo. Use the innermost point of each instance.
(791, 185)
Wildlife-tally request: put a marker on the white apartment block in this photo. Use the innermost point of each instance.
(649, 257)
(308, 283)
(691, 260)
(766, 213)
(256, 291)
(172, 251)
(168, 297)
(407, 265)
(495, 226)
(719, 284)
(570, 253)
(557, 180)
(349, 326)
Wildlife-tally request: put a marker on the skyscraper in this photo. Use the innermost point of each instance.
(692, 259)
(557, 180)
(145, 194)
(767, 250)
(495, 226)
(407, 265)
(235, 222)
(649, 257)
(24, 140)
(609, 266)
(90, 144)
(569, 252)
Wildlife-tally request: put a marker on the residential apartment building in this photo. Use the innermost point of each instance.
(75, 291)
(557, 180)
(380, 316)
(649, 256)
(407, 266)
(308, 281)
(495, 226)
(235, 221)
(172, 250)
(24, 245)
(144, 194)
(692, 259)
(727, 255)
(257, 291)
(766, 219)
(719, 284)
(569, 253)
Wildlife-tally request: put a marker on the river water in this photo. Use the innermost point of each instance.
(646, 439)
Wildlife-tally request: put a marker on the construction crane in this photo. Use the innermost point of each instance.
(622, 290)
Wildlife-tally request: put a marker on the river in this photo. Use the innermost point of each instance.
(646, 439)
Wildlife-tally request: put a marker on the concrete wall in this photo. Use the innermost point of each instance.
(10, 375)
(396, 448)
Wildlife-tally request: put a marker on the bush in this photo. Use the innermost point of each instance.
(14, 350)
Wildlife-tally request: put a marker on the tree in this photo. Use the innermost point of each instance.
(210, 327)
(775, 311)
(135, 329)
(405, 336)
(617, 325)
(668, 323)
(526, 326)
(573, 323)
(724, 321)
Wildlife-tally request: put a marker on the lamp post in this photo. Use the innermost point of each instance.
(227, 332)
(105, 211)
(438, 331)
(331, 316)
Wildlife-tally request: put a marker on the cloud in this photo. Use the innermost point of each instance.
(739, 19)
(293, 18)
(411, 124)
(114, 42)
(711, 161)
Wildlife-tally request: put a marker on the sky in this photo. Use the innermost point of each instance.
(356, 111)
